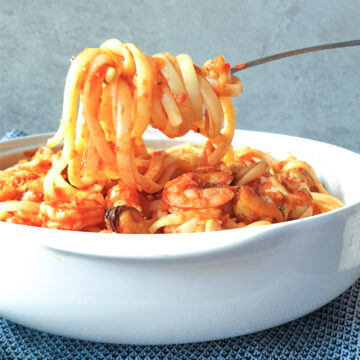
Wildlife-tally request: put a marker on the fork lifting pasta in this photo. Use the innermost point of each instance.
(105, 179)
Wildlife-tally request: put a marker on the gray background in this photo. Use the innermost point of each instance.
(315, 95)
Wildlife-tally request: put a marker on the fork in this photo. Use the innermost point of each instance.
(282, 55)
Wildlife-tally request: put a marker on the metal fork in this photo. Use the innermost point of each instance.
(266, 59)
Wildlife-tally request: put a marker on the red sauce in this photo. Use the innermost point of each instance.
(180, 98)
(239, 66)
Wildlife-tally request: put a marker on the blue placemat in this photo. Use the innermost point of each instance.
(332, 332)
(12, 134)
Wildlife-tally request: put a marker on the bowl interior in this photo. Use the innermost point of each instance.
(336, 168)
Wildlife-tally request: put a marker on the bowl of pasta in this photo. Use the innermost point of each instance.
(184, 287)
(191, 232)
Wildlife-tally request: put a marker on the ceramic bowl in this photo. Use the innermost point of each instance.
(178, 288)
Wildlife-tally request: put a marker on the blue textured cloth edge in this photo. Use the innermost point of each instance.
(13, 134)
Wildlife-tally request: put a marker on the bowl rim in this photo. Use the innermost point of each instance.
(166, 246)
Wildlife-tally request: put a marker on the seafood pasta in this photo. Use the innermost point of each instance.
(103, 177)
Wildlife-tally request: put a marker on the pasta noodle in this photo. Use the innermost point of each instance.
(103, 177)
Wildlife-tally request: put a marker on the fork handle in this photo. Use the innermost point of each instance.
(266, 59)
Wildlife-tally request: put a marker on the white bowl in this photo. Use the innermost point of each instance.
(162, 289)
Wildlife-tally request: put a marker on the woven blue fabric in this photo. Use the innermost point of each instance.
(332, 332)
(12, 134)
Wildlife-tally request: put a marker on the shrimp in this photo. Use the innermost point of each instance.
(201, 189)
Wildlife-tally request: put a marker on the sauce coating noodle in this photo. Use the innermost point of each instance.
(105, 179)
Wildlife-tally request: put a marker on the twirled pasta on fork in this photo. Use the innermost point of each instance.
(105, 179)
